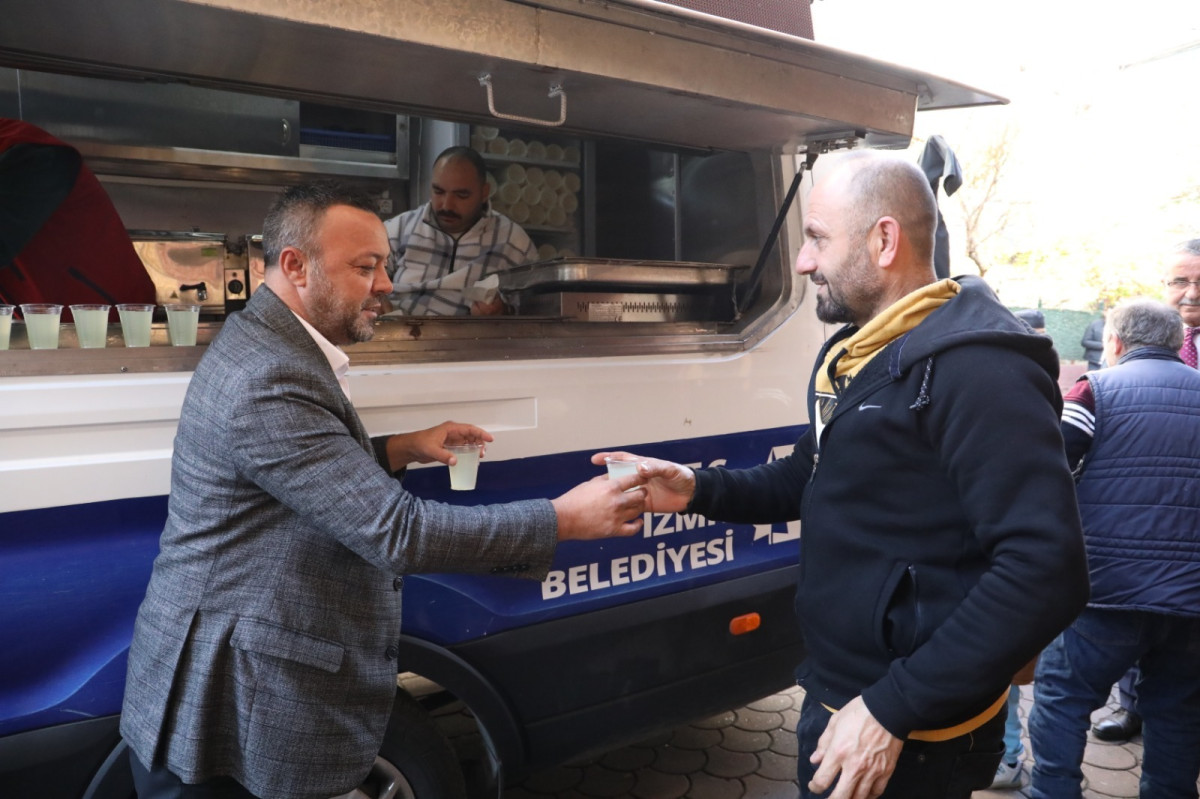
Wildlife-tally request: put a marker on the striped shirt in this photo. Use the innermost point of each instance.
(433, 269)
(1078, 421)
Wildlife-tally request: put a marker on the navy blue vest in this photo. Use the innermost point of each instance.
(1139, 492)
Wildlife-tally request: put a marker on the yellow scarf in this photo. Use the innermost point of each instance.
(857, 351)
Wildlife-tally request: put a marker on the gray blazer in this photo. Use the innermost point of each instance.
(264, 649)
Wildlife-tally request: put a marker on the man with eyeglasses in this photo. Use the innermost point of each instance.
(1132, 434)
(1183, 294)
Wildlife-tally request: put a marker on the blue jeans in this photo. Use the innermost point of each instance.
(1013, 750)
(1075, 675)
(926, 770)
(1127, 690)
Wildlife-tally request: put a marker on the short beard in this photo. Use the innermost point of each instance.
(347, 325)
(831, 311)
(856, 279)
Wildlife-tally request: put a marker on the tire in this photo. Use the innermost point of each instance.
(113, 780)
(416, 761)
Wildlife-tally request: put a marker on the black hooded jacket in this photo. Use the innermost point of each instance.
(940, 541)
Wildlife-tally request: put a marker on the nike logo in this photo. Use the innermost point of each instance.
(865, 407)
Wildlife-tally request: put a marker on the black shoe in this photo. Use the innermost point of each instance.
(1119, 727)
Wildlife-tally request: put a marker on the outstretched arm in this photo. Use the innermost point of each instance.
(669, 486)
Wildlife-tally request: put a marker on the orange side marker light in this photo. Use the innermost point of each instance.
(747, 623)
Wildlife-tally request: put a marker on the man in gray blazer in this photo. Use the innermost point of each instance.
(263, 659)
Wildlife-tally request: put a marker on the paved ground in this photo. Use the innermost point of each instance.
(752, 753)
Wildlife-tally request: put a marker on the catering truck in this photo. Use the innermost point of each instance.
(651, 151)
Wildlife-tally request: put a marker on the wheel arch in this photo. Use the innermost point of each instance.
(502, 733)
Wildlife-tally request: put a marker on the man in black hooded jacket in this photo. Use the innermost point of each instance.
(941, 546)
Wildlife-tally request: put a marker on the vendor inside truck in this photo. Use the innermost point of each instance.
(446, 247)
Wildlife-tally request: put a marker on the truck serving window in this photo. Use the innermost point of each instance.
(637, 247)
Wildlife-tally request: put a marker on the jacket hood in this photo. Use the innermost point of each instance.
(975, 316)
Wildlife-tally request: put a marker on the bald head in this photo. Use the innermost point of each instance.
(880, 185)
(868, 236)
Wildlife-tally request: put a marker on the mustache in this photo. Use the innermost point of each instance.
(448, 215)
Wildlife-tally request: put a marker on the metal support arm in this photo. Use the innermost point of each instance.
(556, 90)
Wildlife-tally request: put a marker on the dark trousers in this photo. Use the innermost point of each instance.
(926, 769)
(1075, 675)
(1127, 690)
(159, 783)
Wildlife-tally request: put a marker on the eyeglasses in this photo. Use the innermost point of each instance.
(1181, 284)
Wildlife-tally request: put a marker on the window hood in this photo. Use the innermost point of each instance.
(624, 71)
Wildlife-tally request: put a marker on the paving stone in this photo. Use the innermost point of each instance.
(776, 703)
(457, 725)
(657, 740)
(724, 762)
(1108, 756)
(760, 788)
(631, 758)
(652, 784)
(776, 767)
(706, 786)
(1106, 783)
(716, 722)
(783, 742)
(740, 740)
(678, 761)
(695, 738)
(554, 780)
(757, 721)
(605, 782)
(1007, 793)
(760, 764)
(581, 763)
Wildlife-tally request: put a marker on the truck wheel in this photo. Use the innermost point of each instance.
(416, 761)
(113, 780)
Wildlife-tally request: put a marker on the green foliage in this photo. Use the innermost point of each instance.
(1066, 327)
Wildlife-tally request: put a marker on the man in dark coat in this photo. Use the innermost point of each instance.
(935, 501)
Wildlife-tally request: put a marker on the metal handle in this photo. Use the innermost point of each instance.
(200, 288)
(556, 90)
